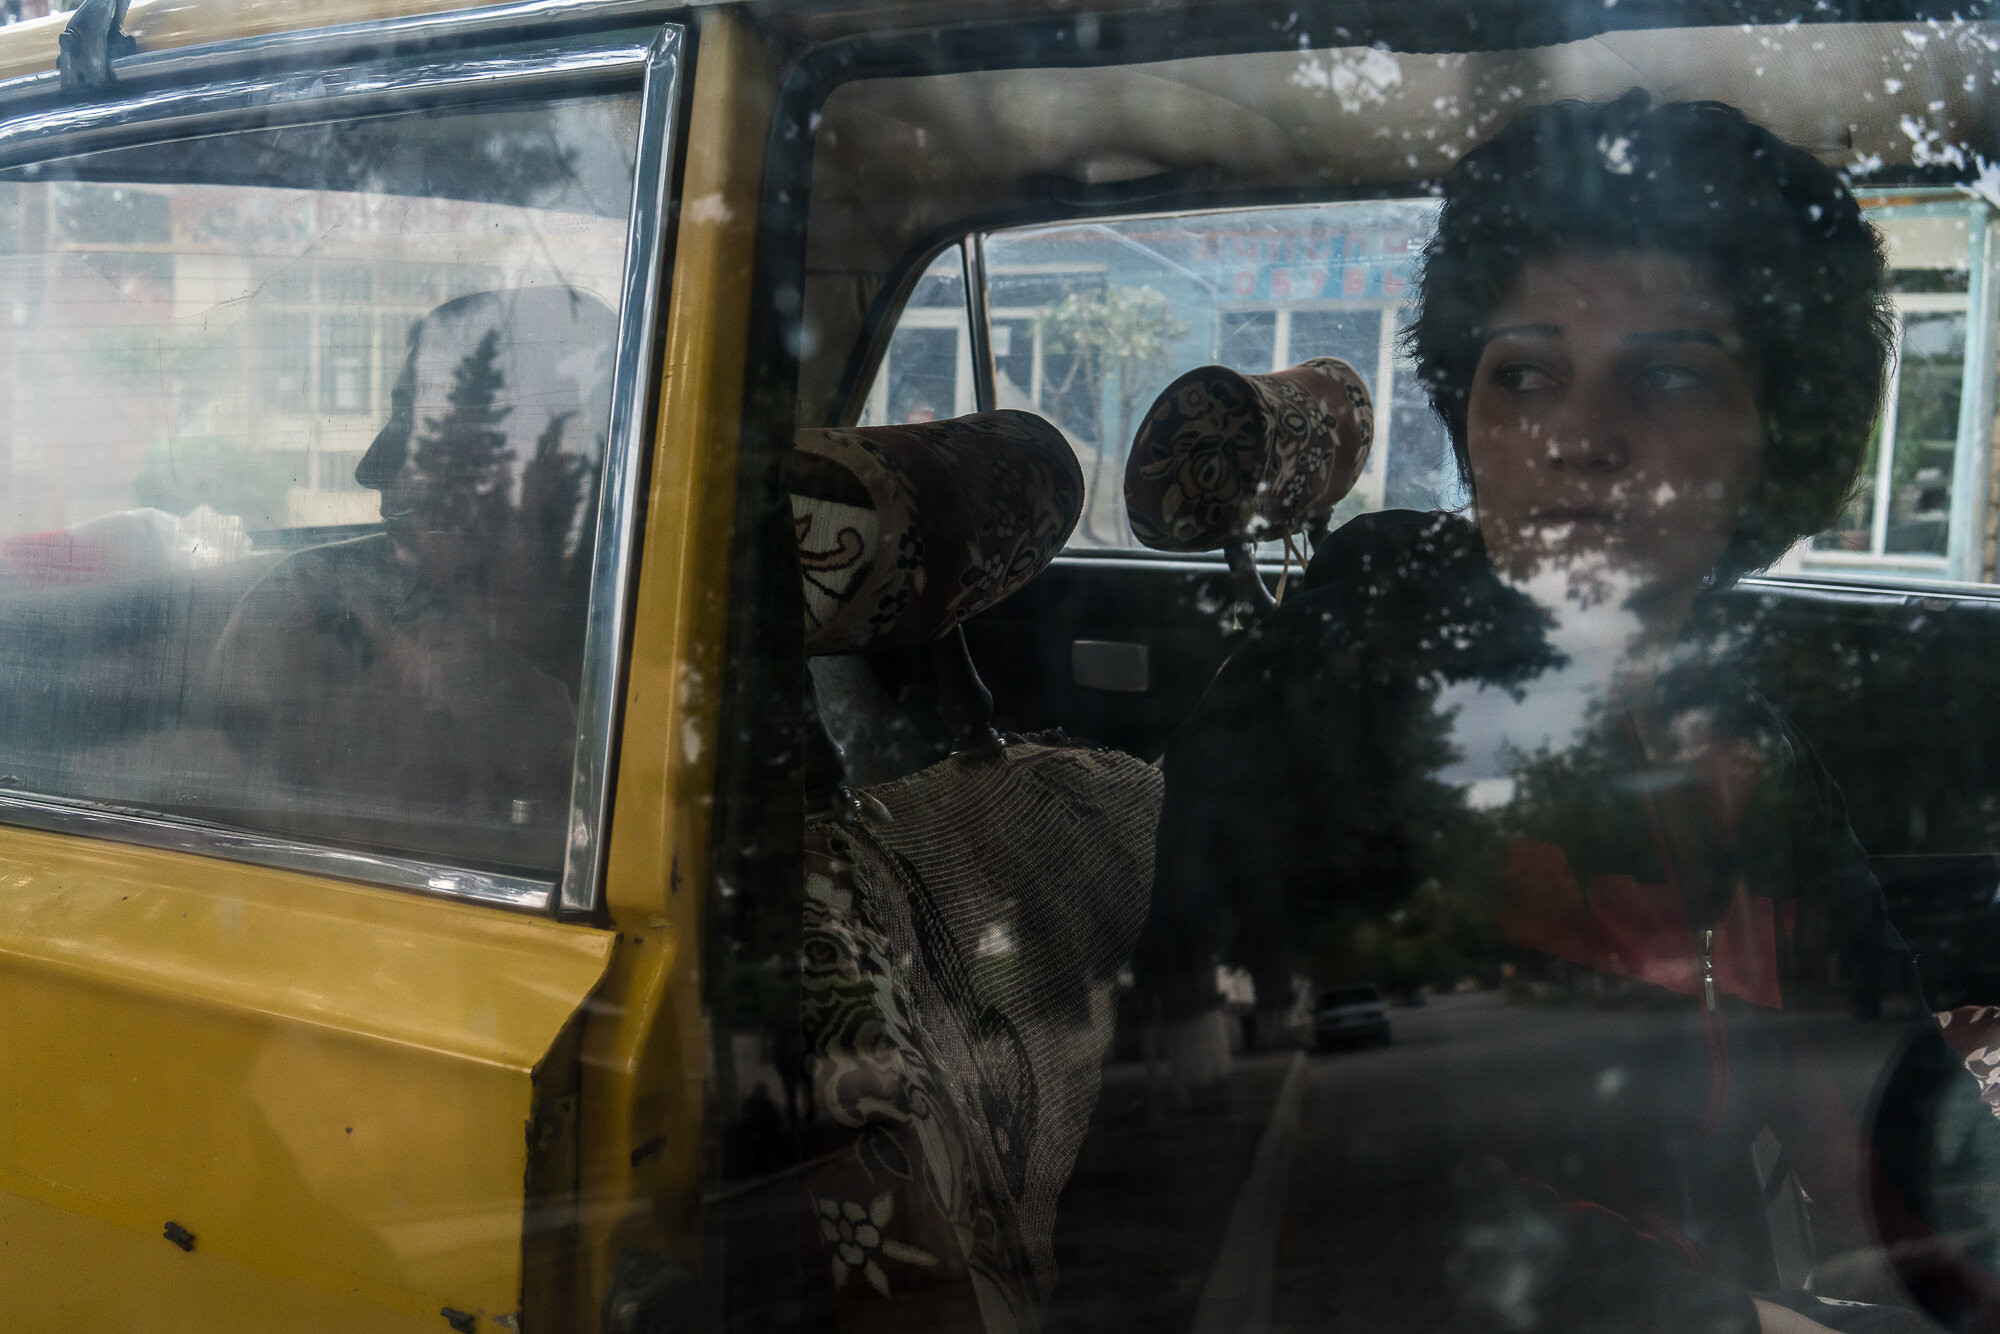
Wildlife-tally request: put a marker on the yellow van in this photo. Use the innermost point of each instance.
(592, 595)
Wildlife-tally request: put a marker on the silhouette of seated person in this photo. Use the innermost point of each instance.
(1506, 740)
(415, 687)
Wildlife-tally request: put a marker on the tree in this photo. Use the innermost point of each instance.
(1117, 341)
(468, 446)
(526, 522)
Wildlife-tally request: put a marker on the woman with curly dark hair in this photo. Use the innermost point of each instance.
(1717, 270)
(1657, 335)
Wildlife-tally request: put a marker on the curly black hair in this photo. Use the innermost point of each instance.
(1768, 223)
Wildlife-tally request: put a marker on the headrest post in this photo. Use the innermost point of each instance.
(822, 765)
(1253, 597)
(966, 702)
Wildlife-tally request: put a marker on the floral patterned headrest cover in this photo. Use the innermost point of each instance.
(1221, 454)
(904, 531)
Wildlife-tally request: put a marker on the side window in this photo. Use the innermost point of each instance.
(926, 373)
(1090, 321)
(1920, 509)
(301, 476)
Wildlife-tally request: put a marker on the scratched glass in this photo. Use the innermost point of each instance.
(304, 429)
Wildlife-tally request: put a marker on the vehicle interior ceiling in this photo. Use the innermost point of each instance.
(905, 165)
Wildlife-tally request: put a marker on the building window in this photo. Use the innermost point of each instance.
(286, 346)
(345, 360)
(1920, 507)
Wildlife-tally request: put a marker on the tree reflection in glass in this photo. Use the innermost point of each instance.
(427, 672)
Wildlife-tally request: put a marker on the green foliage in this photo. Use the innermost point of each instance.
(531, 557)
(1118, 330)
(1116, 340)
(552, 495)
(228, 476)
(1442, 932)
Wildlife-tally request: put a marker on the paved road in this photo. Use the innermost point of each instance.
(1474, 1075)
(1155, 1201)
(1143, 1216)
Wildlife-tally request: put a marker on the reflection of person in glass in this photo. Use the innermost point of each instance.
(426, 673)
(1657, 336)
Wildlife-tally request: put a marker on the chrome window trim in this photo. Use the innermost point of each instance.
(117, 824)
(304, 47)
(1872, 586)
(598, 693)
(205, 108)
(578, 64)
(1193, 562)
(1147, 560)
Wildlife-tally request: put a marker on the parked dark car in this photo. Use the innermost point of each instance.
(1353, 1016)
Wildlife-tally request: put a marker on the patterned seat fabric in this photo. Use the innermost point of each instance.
(905, 531)
(1222, 455)
(961, 951)
(962, 935)
(1973, 1032)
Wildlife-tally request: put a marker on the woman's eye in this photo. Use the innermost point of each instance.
(1523, 378)
(1669, 378)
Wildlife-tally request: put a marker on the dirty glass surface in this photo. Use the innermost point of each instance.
(302, 433)
(1570, 903)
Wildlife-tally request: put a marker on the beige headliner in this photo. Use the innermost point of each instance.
(899, 160)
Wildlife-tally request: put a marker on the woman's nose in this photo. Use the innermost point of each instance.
(1587, 434)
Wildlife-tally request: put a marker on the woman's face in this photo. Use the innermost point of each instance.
(1613, 424)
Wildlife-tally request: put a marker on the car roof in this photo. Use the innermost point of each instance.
(29, 48)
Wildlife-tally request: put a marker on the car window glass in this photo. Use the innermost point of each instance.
(1566, 903)
(302, 472)
(926, 371)
(1088, 322)
(1124, 307)
(1134, 303)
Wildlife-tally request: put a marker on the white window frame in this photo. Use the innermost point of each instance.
(1964, 560)
(875, 411)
